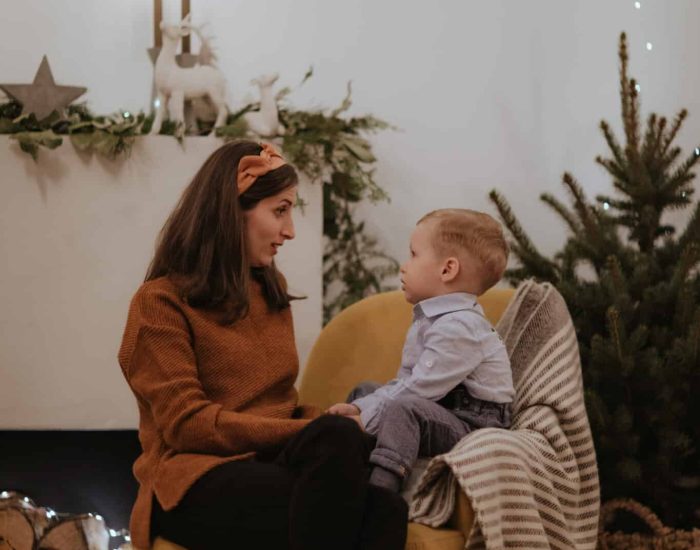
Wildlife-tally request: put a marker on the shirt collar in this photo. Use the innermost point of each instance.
(446, 303)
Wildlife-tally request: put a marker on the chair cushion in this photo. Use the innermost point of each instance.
(421, 537)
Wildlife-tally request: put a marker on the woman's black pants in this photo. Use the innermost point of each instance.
(315, 495)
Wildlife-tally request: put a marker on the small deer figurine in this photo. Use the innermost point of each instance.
(175, 84)
(265, 122)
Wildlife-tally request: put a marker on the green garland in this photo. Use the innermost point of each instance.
(327, 147)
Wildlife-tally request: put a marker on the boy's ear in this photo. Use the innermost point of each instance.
(450, 269)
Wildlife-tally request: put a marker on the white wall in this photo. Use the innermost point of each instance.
(485, 93)
(77, 236)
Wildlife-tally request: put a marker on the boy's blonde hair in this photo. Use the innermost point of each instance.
(463, 230)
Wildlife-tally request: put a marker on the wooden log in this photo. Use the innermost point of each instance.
(16, 530)
(84, 532)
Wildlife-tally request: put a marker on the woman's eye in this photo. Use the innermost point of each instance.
(281, 211)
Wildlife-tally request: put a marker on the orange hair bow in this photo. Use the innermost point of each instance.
(251, 167)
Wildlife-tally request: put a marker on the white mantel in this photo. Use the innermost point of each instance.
(76, 236)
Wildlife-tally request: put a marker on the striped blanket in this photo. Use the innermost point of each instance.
(535, 486)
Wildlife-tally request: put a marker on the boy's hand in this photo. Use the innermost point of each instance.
(344, 409)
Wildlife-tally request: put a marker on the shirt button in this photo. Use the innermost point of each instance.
(429, 363)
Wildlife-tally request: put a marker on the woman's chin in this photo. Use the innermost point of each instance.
(263, 262)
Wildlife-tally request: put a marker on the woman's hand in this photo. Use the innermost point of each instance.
(344, 409)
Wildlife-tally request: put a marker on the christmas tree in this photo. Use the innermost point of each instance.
(631, 283)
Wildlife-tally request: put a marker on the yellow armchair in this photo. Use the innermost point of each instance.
(364, 342)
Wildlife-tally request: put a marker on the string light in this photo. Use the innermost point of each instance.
(156, 103)
(606, 205)
(697, 151)
(127, 114)
(649, 46)
(638, 5)
(638, 88)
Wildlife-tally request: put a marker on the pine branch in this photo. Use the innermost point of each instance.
(615, 330)
(682, 175)
(651, 138)
(524, 250)
(581, 205)
(617, 171)
(685, 305)
(669, 158)
(617, 204)
(692, 230)
(612, 142)
(619, 282)
(673, 132)
(564, 212)
(624, 82)
(690, 255)
(631, 124)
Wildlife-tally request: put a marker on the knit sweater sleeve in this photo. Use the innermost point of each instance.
(162, 372)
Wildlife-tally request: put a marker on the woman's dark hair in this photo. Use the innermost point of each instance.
(202, 246)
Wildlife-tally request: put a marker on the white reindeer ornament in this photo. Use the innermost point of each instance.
(265, 122)
(175, 84)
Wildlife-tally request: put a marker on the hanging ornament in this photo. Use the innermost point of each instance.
(43, 96)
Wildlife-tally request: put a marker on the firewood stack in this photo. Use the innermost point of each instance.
(25, 526)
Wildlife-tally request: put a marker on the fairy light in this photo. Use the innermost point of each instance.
(638, 88)
(650, 46)
(606, 205)
(638, 5)
(697, 151)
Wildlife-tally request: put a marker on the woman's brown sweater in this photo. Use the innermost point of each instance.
(206, 393)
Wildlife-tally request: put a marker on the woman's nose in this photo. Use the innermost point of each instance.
(288, 229)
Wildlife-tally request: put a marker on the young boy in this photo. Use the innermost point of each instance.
(455, 374)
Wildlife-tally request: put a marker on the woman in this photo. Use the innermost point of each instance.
(229, 459)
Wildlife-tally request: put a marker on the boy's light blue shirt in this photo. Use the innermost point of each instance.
(450, 342)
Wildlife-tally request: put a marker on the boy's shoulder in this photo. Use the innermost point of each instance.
(472, 321)
(473, 316)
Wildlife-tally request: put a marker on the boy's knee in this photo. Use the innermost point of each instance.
(404, 406)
